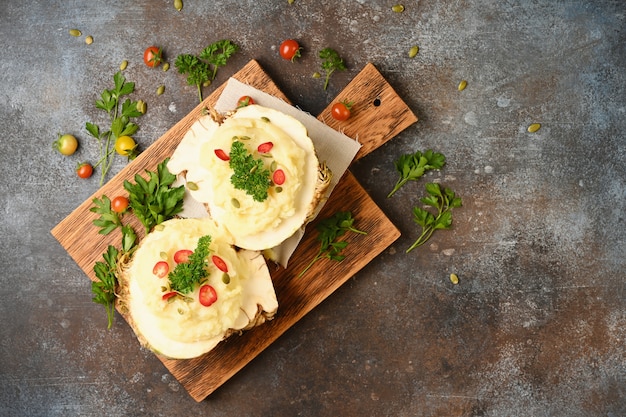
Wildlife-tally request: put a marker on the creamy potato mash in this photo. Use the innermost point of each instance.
(180, 326)
(281, 142)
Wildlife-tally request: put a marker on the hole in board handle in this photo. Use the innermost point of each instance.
(376, 102)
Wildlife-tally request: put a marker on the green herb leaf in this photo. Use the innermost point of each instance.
(109, 220)
(331, 62)
(412, 167)
(218, 53)
(119, 114)
(154, 201)
(250, 175)
(197, 71)
(104, 289)
(443, 200)
(188, 274)
(330, 230)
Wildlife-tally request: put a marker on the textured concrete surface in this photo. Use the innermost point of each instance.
(536, 325)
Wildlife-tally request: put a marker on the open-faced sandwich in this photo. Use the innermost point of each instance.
(256, 171)
(187, 288)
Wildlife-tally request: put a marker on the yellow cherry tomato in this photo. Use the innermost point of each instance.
(124, 145)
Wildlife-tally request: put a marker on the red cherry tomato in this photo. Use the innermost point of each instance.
(161, 269)
(341, 111)
(152, 56)
(119, 204)
(244, 101)
(265, 147)
(222, 155)
(207, 295)
(84, 170)
(219, 263)
(182, 256)
(278, 177)
(290, 50)
(168, 295)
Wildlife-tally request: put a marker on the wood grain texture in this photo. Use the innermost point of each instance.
(296, 297)
(378, 113)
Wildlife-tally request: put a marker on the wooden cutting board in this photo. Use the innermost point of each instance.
(379, 115)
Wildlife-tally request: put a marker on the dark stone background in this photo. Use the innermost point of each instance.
(536, 326)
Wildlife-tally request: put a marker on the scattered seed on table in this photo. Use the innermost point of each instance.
(141, 106)
(123, 65)
(413, 51)
(398, 8)
(462, 85)
(534, 127)
(160, 90)
(454, 279)
(75, 32)
(166, 66)
(178, 5)
(89, 40)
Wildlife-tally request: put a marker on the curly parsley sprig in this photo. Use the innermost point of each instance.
(201, 70)
(412, 167)
(188, 274)
(330, 230)
(249, 174)
(331, 62)
(443, 200)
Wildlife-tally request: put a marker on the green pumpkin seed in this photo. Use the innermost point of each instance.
(278, 189)
(178, 5)
(192, 185)
(166, 66)
(462, 85)
(273, 166)
(75, 32)
(316, 75)
(226, 278)
(123, 65)
(159, 227)
(163, 255)
(206, 83)
(253, 169)
(454, 279)
(235, 203)
(141, 106)
(413, 51)
(398, 8)
(89, 40)
(534, 127)
(265, 119)
(160, 90)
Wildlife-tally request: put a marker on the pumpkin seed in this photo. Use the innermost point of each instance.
(163, 255)
(413, 51)
(166, 66)
(462, 85)
(178, 5)
(398, 8)
(192, 185)
(235, 203)
(160, 90)
(454, 279)
(141, 106)
(253, 169)
(244, 137)
(89, 40)
(75, 32)
(290, 1)
(226, 278)
(163, 289)
(206, 83)
(273, 166)
(159, 227)
(534, 127)
(316, 75)
(278, 189)
(123, 65)
(265, 119)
